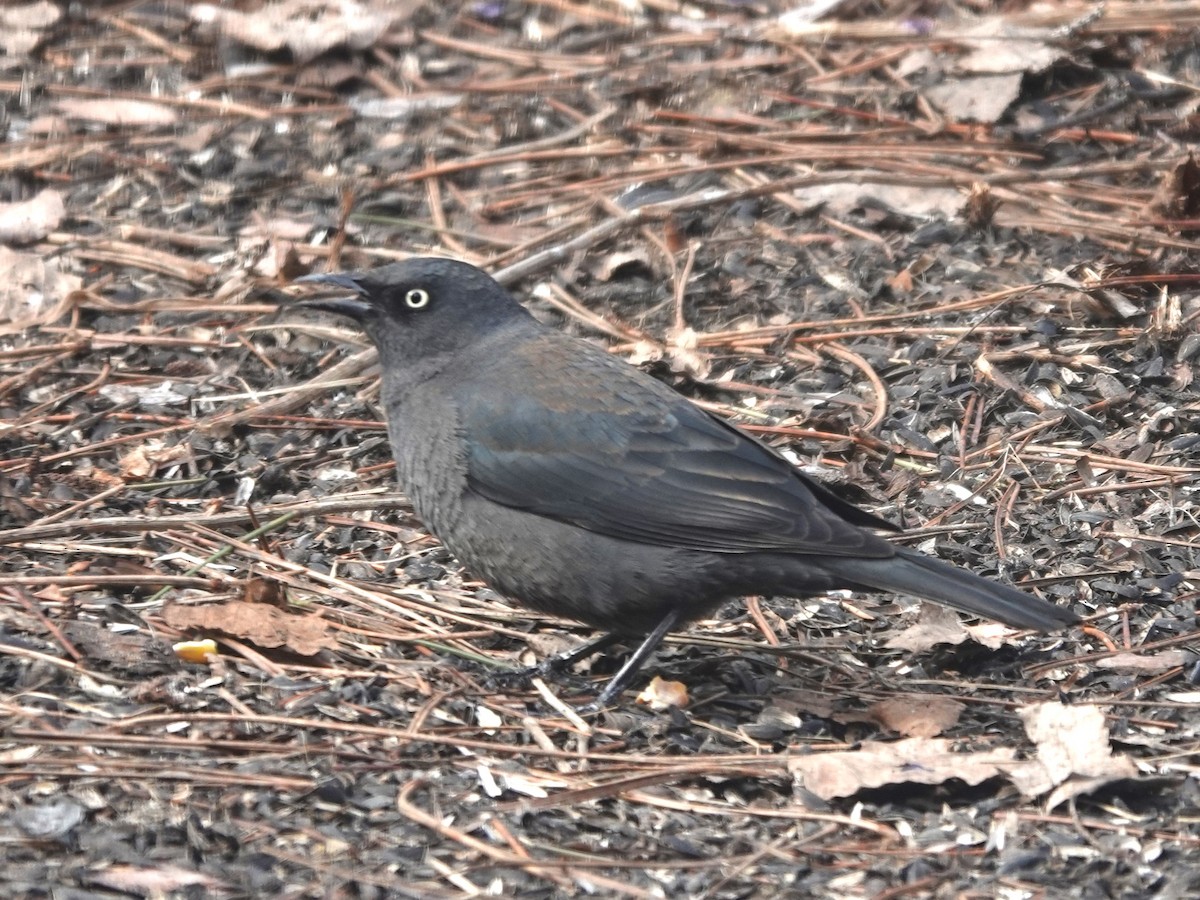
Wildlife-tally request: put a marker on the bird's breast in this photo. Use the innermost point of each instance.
(430, 458)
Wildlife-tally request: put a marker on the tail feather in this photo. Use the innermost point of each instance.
(911, 572)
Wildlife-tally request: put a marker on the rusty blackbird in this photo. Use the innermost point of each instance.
(583, 487)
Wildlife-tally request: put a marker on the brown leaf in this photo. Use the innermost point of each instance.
(978, 98)
(673, 235)
(32, 219)
(683, 356)
(935, 625)
(145, 460)
(22, 27)
(305, 27)
(259, 590)
(906, 200)
(901, 282)
(917, 715)
(32, 290)
(546, 644)
(992, 635)
(910, 761)
(30, 15)
(1072, 742)
(1163, 661)
(264, 626)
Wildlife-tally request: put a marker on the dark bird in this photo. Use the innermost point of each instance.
(583, 487)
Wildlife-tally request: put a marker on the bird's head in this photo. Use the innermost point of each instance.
(419, 307)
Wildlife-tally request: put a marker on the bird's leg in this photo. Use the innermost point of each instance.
(560, 662)
(645, 650)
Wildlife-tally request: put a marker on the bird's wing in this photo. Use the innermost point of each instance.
(638, 462)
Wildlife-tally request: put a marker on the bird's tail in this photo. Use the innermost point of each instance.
(911, 572)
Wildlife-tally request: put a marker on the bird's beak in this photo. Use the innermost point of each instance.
(355, 307)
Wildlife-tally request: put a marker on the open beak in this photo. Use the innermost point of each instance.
(334, 299)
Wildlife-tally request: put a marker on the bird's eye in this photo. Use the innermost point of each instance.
(416, 299)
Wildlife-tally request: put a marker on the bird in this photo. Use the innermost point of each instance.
(582, 487)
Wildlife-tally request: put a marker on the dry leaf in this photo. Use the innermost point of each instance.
(982, 98)
(259, 590)
(1163, 661)
(910, 761)
(145, 460)
(262, 625)
(33, 291)
(1073, 756)
(901, 282)
(984, 78)
(682, 355)
(260, 230)
(274, 242)
(547, 644)
(30, 15)
(1072, 743)
(997, 49)
(31, 220)
(305, 27)
(935, 625)
(644, 352)
(992, 635)
(673, 235)
(845, 198)
(22, 27)
(917, 715)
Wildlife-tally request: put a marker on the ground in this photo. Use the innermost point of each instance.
(940, 252)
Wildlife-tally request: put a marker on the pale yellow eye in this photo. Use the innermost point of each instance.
(416, 299)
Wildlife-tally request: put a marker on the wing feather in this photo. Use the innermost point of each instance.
(641, 463)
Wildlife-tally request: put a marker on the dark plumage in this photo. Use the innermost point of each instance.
(583, 487)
